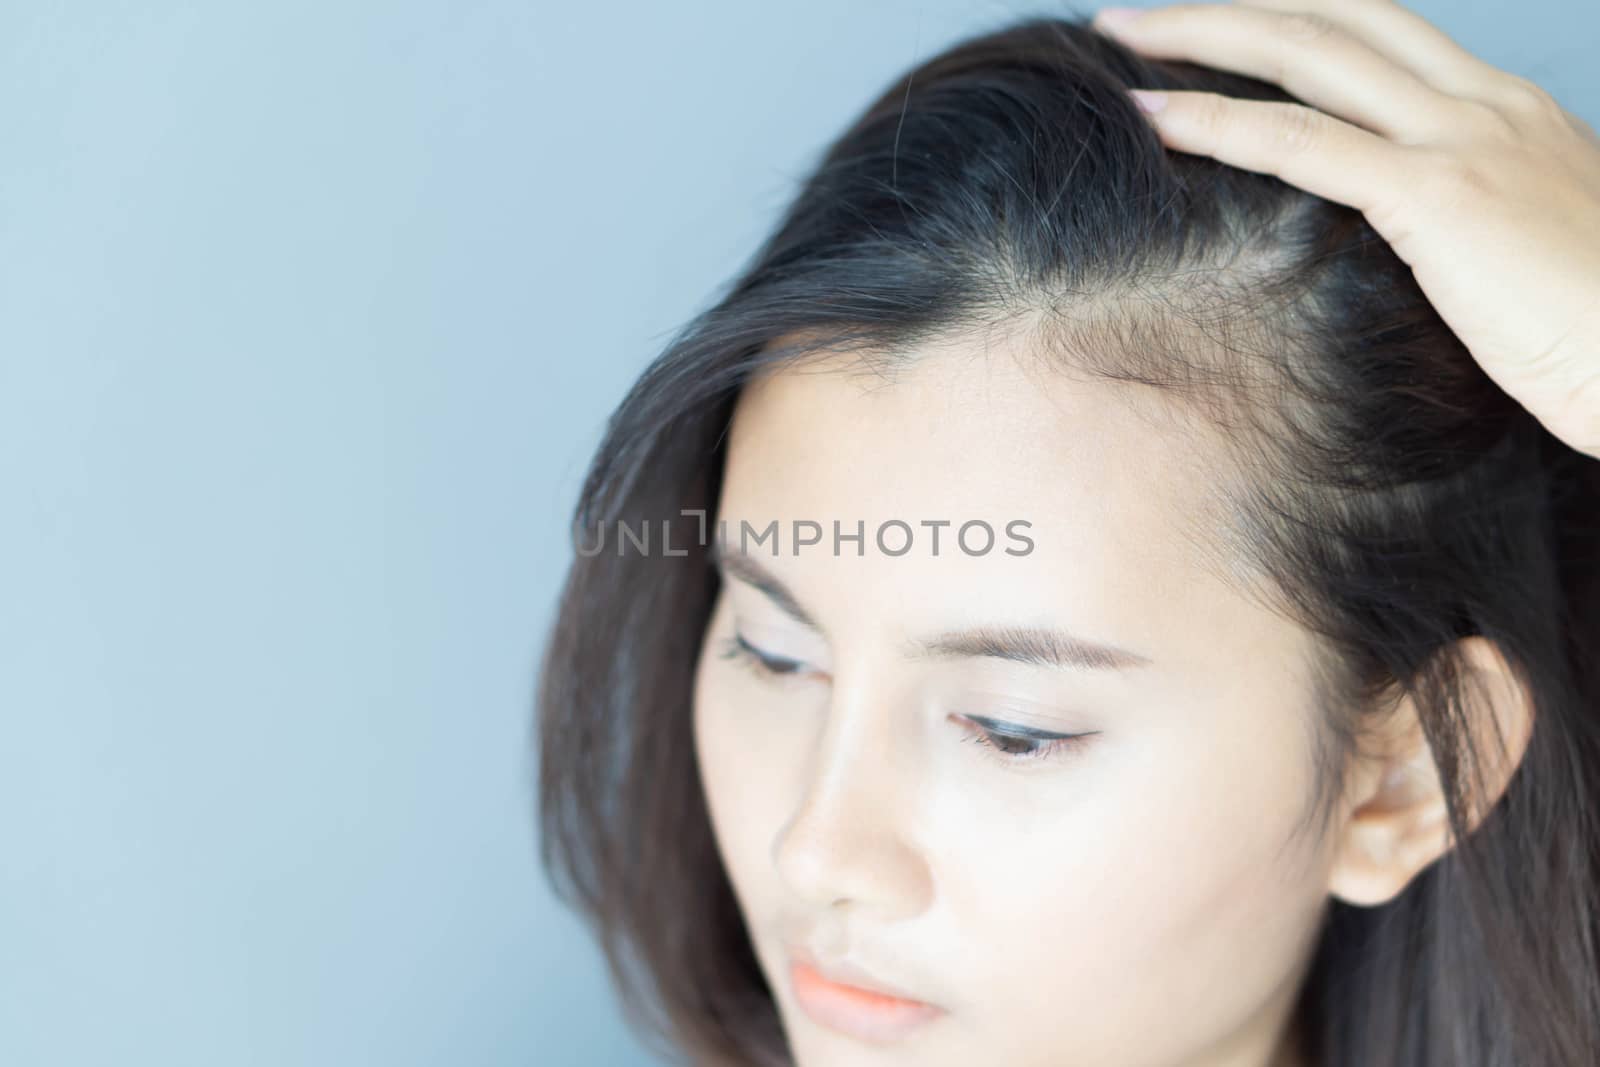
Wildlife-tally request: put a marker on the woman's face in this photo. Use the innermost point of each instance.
(1134, 896)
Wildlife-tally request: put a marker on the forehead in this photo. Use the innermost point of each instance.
(1119, 493)
(978, 427)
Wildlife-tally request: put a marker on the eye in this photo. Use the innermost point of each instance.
(762, 664)
(1011, 744)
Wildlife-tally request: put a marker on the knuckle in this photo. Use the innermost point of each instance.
(1307, 27)
(1297, 127)
(1211, 112)
(1523, 96)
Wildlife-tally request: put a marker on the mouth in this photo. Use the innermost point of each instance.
(849, 1001)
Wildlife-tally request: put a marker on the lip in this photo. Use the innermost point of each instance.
(849, 999)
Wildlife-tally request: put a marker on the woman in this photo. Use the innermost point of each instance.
(1114, 588)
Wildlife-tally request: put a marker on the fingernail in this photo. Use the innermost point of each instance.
(1116, 17)
(1148, 100)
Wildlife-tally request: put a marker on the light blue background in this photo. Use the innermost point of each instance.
(310, 314)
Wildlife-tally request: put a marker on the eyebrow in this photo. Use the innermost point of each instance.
(1036, 646)
(749, 570)
(1033, 645)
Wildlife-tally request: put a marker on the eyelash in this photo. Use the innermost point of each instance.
(1048, 748)
(774, 668)
(770, 668)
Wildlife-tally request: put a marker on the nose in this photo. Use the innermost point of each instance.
(848, 842)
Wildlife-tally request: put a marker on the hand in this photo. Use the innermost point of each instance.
(1476, 177)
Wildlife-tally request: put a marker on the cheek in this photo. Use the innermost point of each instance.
(715, 751)
(1198, 822)
(737, 774)
(1171, 866)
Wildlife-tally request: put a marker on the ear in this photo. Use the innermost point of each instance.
(1397, 822)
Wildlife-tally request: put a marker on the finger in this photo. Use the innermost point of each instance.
(1304, 146)
(1308, 55)
(1406, 38)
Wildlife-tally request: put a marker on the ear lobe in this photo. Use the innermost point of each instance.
(1399, 821)
(1398, 827)
(1382, 851)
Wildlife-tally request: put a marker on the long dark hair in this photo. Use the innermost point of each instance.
(1395, 498)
